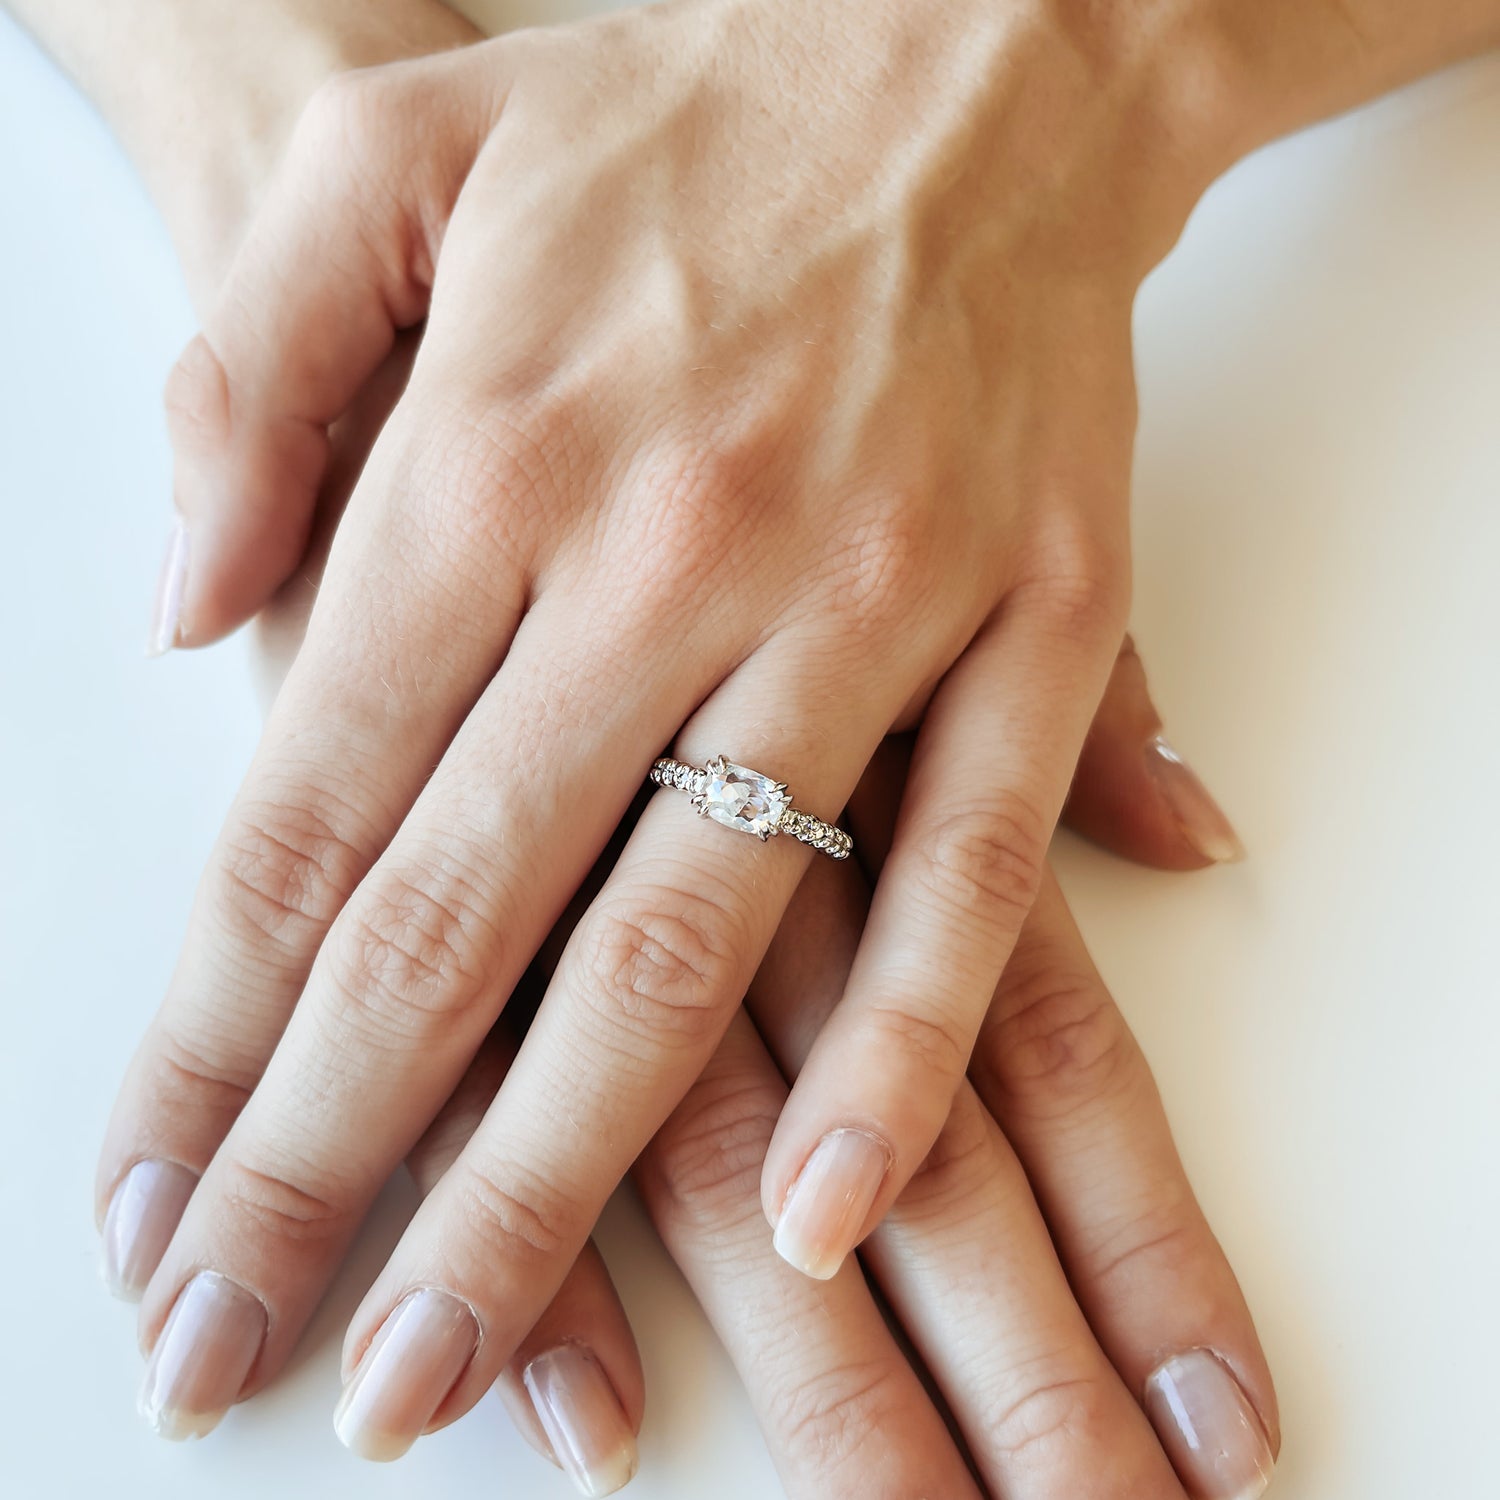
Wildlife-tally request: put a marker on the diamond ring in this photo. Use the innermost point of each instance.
(741, 798)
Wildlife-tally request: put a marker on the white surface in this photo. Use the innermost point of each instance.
(1319, 532)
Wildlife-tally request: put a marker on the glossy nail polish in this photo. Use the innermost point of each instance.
(1200, 818)
(412, 1363)
(583, 1419)
(211, 1339)
(827, 1207)
(166, 617)
(1208, 1427)
(140, 1223)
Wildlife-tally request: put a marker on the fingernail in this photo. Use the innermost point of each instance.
(1209, 1428)
(583, 1419)
(200, 1362)
(1200, 818)
(406, 1374)
(166, 618)
(140, 1222)
(829, 1203)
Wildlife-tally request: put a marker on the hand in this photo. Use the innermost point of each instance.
(1039, 1364)
(1060, 1092)
(468, 543)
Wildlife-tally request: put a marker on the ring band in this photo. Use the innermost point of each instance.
(749, 802)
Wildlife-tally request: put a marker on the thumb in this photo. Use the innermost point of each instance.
(339, 258)
(1134, 794)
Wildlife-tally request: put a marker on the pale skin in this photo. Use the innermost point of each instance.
(618, 347)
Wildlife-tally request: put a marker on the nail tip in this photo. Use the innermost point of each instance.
(610, 1478)
(372, 1447)
(177, 1426)
(1209, 1426)
(1200, 819)
(802, 1261)
(166, 618)
(122, 1291)
(1223, 849)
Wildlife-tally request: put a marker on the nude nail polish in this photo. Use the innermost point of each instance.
(827, 1207)
(208, 1346)
(140, 1223)
(583, 1419)
(1200, 818)
(1208, 1427)
(166, 617)
(412, 1363)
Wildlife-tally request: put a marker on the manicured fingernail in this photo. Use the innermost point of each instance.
(200, 1362)
(166, 618)
(829, 1203)
(1209, 1428)
(583, 1419)
(406, 1374)
(140, 1223)
(1200, 818)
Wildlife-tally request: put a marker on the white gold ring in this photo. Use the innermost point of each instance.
(743, 799)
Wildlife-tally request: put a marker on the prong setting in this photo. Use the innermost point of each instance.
(749, 802)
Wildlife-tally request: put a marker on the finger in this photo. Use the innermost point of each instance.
(643, 994)
(340, 257)
(182, 1114)
(965, 1260)
(987, 784)
(843, 1412)
(281, 626)
(415, 969)
(1134, 794)
(382, 683)
(1068, 1085)
(574, 1388)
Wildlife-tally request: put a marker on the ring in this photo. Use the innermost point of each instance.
(745, 800)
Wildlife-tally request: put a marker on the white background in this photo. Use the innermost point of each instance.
(1318, 532)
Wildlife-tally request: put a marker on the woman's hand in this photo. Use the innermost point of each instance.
(1056, 1149)
(789, 451)
(1042, 1375)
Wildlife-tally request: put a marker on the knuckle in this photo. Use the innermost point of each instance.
(279, 1207)
(1060, 1042)
(484, 478)
(342, 114)
(934, 1043)
(1083, 580)
(828, 1419)
(412, 958)
(663, 965)
(199, 1080)
(512, 1214)
(884, 569)
(286, 871)
(706, 1164)
(687, 510)
(1040, 1428)
(985, 860)
(1164, 1242)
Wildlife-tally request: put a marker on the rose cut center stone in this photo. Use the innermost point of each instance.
(741, 798)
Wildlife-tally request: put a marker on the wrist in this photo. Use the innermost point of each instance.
(1232, 75)
(204, 94)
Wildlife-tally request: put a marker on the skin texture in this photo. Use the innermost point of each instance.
(1060, 553)
(1043, 1379)
(833, 1429)
(939, 507)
